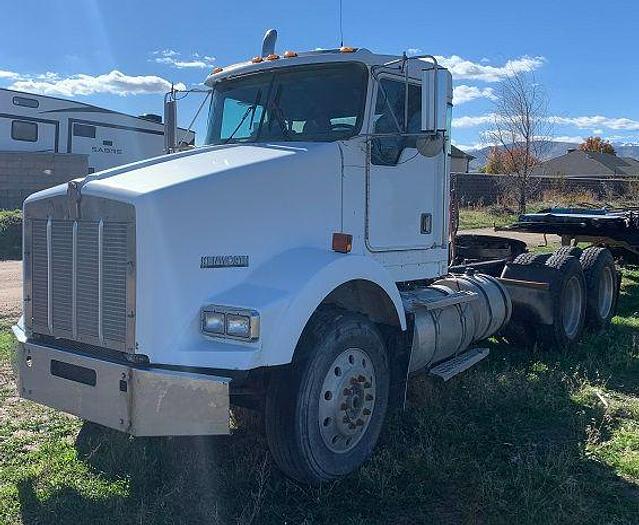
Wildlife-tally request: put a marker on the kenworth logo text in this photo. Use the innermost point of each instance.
(224, 261)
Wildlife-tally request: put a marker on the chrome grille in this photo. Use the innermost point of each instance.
(81, 282)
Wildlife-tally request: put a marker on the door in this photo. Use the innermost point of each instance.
(403, 186)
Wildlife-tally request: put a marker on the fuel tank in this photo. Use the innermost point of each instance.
(453, 313)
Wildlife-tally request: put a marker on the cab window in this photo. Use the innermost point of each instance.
(389, 119)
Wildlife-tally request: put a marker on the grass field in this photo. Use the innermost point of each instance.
(523, 438)
(473, 218)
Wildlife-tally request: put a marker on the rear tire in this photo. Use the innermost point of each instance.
(324, 412)
(527, 259)
(602, 286)
(575, 251)
(569, 303)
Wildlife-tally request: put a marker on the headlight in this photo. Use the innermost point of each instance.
(224, 321)
(238, 325)
(213, 322)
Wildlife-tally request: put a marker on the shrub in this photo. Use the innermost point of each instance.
(10, 234)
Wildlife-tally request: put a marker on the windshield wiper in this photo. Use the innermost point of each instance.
(278, 113)
(250, 109)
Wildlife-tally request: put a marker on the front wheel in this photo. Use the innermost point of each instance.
(324, 413)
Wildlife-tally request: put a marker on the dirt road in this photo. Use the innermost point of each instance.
(533, 240)
(10, 290)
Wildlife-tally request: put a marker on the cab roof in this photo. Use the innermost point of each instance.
(321, 56)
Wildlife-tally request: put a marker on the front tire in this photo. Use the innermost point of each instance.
(324, 413)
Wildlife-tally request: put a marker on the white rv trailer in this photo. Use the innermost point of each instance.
(40, 123)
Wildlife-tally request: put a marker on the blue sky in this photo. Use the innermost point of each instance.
(124, 54)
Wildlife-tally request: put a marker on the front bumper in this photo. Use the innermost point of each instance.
(140, 401)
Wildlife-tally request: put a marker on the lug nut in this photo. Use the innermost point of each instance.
(361, 379)
(366, 412)
(354, 381)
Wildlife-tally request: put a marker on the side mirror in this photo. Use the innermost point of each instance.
(429, 99)
(430, 145)
(170, 124)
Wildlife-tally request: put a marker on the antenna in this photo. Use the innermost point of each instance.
(341, 26)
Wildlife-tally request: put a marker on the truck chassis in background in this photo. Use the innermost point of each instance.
(614, 228)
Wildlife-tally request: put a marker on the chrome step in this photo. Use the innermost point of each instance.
(460, 363)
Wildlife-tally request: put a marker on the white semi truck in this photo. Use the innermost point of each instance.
(299, 263)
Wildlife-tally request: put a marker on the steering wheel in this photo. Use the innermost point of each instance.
(342, 126)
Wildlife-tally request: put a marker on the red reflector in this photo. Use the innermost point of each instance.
(342, 242)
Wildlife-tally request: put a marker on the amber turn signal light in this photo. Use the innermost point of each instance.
(217, 70)
(272, 56)
(342, 242)
(290, 54)
(256, 60)
(346, 49)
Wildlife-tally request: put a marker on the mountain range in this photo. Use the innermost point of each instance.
(553, 149)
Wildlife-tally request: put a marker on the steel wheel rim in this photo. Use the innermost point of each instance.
(572, 306)
(347, 400)
(606, 292)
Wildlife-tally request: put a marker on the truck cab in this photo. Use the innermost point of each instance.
(296, 262)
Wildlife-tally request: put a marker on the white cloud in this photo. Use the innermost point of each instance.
(582, 122)
(115, 82)
(464, 93)
(173, 58)
(473, 122)
(589, 122)
(412, 51)
(461, 68)
(9, 74)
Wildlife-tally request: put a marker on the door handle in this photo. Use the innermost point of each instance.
(426, 223)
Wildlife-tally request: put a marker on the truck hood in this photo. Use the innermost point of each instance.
(254, 201)
(135, 180)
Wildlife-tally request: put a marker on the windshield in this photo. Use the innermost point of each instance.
(318, 103)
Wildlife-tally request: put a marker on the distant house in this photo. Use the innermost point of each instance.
(577, 163)
(459, 160)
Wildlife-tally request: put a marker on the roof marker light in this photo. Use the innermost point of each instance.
(256, 60)
(272, 56)
(347, 49)
(290, 54)
(217, 70)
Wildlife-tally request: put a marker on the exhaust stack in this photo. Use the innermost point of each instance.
(170, 123)
(268, 43)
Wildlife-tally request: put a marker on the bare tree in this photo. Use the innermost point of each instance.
(521, 131)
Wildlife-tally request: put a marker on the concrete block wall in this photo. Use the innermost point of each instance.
(481, 189)
(24, 173)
